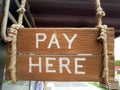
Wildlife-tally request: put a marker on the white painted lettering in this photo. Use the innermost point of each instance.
(35, 65)
(61, 65)
(79, 66)
(48, 65)
(40, 40)
(54, 40)
(70, 41)
(64, 65)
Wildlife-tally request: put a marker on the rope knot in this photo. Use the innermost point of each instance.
(21, 10)
(103, 32)
(100, 12)
(17, 26)
(13, 31)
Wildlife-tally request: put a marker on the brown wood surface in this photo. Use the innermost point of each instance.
(111, 73)
(85, 43)
(110, 41)
(92, 67)
(111, 65)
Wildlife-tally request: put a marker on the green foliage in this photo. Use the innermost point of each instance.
(4, 81)
(97, 85)
(117, 63)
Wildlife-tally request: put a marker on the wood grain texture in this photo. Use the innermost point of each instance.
(110, 41)
(111, 65)
(111, 73)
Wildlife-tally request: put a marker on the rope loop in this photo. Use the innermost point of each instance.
(13, 31)
(12, 37)
(103, 32)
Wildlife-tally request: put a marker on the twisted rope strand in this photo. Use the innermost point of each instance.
(99, 12)
(103, 37)
(21, 12)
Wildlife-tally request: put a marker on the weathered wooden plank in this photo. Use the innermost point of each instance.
(111, 62)
(88, 68)
(111, 71)
(110, 41)
(111, 65)
(84, 43)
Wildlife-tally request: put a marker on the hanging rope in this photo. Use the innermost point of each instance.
(12, 37)
(103, 37)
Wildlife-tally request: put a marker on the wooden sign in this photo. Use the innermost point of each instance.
(61, 54)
